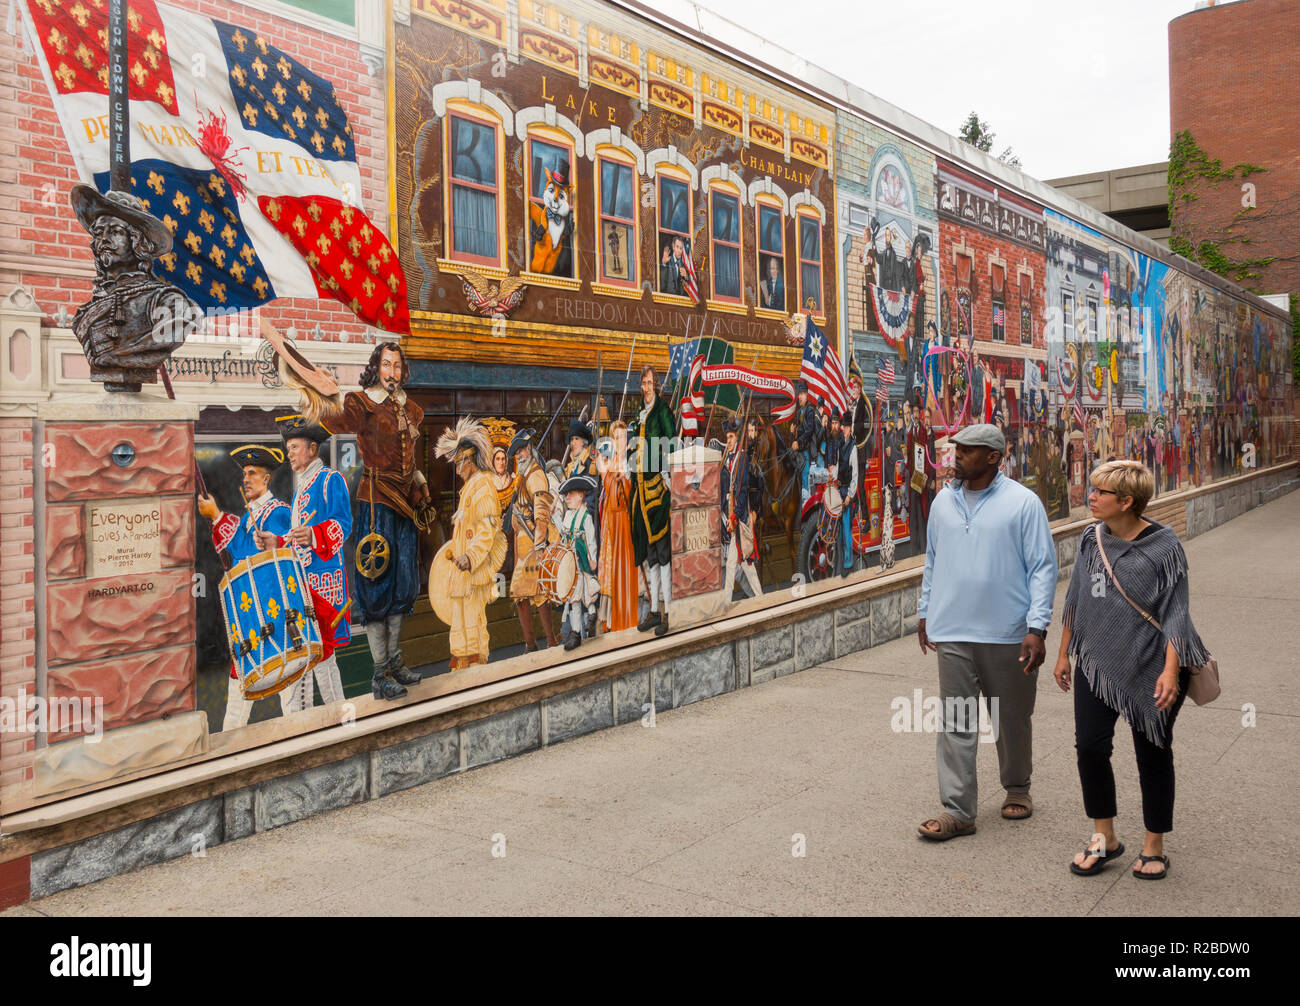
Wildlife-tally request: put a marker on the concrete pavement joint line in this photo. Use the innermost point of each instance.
(1229, 747)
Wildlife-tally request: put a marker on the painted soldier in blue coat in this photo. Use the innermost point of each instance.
(320, 522)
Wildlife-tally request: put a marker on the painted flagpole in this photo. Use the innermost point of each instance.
(119, 100)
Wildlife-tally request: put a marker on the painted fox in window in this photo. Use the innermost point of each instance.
(551, 227)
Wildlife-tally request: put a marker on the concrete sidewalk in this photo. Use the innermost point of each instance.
(701, 813)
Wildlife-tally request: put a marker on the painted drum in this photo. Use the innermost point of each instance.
(557, 572)
(270, 623)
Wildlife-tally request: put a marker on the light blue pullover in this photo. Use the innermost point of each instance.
(990, 571)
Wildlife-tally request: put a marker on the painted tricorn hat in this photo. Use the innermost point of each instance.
(298, 427)
(577, 428)
(578, 484)
(89, 204)
(521, 440)
(259, 456)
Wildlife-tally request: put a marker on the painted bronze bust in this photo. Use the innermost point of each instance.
(133, 320)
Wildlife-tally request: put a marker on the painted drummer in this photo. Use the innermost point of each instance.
(321, 522)
(578, 532)
(234, 533)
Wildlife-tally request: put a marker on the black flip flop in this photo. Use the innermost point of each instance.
(1152, 876)
(1103, 861)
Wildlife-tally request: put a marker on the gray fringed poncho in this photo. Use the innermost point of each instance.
(1119, 652)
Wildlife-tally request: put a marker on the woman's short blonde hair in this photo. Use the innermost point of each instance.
(1127, 480)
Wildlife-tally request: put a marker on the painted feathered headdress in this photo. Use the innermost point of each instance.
(468, 439)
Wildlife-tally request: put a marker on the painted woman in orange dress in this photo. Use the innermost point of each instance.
(616, 569)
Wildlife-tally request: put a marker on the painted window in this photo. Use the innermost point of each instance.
(998, 275)
(475, 210)
(618, 244)
(810, 264)
(771, 256)
(724, 215)
(550, 206)
(964, 264)
(1092, 319)
(1026, 310)
(674, 220)
(1067, 315)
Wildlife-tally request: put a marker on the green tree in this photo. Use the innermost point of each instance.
(976, 132)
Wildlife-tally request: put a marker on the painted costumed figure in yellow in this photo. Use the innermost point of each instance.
(461, 580)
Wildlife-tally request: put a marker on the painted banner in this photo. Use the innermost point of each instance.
(756, 381)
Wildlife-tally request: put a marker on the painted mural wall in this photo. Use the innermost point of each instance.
(621, 251)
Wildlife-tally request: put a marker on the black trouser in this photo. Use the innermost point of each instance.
(1094, 730)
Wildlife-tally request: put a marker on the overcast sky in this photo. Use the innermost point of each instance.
(1071, 87)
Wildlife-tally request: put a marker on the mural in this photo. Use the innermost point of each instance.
(679, 338)
(622, 251)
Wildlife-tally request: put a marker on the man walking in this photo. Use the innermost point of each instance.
(986, 601)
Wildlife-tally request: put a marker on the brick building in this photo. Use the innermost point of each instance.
(1233, 86)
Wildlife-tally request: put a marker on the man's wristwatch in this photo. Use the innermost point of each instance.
(1039, 632)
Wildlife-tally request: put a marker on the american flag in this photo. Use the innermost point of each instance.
(690, 281)
(1079, 416)
(999, 316)
(884, 378)
(692, 400)
(821, 369)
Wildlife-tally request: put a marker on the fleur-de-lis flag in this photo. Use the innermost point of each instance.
(245, 155)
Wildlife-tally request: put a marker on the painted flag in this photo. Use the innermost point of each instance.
(680, 357)
(1079, 416)
(245, 155)
(884, 378)
(821, 369)
(692, 408)
(690, 281)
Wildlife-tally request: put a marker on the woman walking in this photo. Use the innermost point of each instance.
(1128, 664)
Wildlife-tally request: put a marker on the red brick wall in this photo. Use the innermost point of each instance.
(37, 171)
(1233, 83)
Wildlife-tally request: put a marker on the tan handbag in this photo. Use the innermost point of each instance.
(1204, 684)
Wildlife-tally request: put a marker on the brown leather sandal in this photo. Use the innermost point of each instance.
(1018, 800)
(949, 827)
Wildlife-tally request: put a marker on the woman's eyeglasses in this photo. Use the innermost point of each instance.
(1109, 492)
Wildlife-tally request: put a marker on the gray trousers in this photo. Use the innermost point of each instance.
(965, 671)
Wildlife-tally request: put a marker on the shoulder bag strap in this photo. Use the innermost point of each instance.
(1118, 586)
